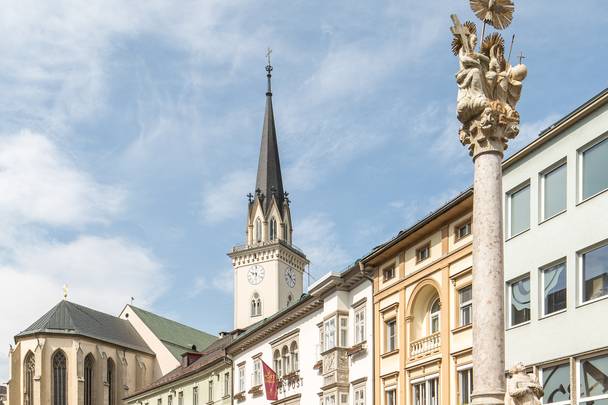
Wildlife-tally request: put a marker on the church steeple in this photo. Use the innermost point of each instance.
(269, 182)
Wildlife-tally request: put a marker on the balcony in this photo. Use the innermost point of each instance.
(425, 346)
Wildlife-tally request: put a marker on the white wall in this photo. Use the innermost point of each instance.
(581, 327)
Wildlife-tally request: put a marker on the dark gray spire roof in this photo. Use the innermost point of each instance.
(269, 180)
(73, 319)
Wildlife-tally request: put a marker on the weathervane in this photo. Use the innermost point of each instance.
(269, 65)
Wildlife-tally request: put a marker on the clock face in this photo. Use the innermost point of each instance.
(290, 277)
(255, 275)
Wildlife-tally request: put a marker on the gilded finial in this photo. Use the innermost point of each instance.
(268, 71)
(65, 291)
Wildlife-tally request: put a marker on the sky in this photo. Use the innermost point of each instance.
(129, 136)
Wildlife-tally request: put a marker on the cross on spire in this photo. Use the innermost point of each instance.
(521, 57)
(65, 291)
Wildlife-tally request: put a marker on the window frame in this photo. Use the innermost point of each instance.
(242, 386)
(508, 211)
(580, 400)
(580, 172)
(427, 381)
(360, 324)
(426, 246)
(329, 334)
(359, 389)
(467, 304)
(388, 271)
(469, 370)
(542, 217)
(257, 372)
(389, 348)
(509, 298)
(541, 286)
(393, 391)
(542, 382)
(468, 222)
(580, 273)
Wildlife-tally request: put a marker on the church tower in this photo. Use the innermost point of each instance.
(268, 268)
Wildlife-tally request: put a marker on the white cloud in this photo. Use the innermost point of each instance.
(528, 131)
(222, 282)
(225, 199)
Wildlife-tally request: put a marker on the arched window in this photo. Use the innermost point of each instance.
(434, 316)
(277, 363)
(111, 383)
(59, 378)
(286, 360)
(258, 230)
(273, 229)
(256, 305)
(295, 360)
(89, 363)
(29, 368)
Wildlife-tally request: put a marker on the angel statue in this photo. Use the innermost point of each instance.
(522, 388)
(488, 86)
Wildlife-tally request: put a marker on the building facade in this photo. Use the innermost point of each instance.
(556, 256)
(423, 310)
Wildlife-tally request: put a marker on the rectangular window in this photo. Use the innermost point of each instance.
(391, 397)
(343, 399)
(180, 398)
(519, 297)
(343, 331)
(360, 395)
(465, 386)
(423, 253)
(329, 338)
(518, 203)
(330, 399)
(553, 280)
(595, 273)
(257, 372)
(556, 384)
(195, 396)
(553, 192)
(594, 169)
(465, 297)
(463, 230)
(210, 390)
(427, 392)
(170, 400)
(226, 384)
(388, 273)
(242, 378)
(391, 335)
(159, 401)
(593, 382)
(360, 325)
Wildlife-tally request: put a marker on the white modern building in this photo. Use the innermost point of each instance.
(556, 256)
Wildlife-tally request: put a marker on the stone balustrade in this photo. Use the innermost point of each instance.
(426, 345)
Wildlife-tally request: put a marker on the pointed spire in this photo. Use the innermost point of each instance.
(269, 180)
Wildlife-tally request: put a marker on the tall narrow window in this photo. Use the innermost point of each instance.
(554, 288)
(465, 386)
(556, 384)
(391, 397)
(226, 384)
(519, 297)
(194, 395)
(89, 364)
(360, 395)
(258, 230)
(257, 372)
(59, 379)
(111, 383)
(29, 368)
(242, 378)
(553, 192)
(391, 335)
(180, 398)
(256, 305)
(465, 297)
(286, 360)
(329, 338)
(273, 229)
(343, 331)
(295, 359)
(594, 169)
(518, 203)
(595, 273)
(360, 325)
(210, 391)
(278, 363)
(435, 313)
(427, 392)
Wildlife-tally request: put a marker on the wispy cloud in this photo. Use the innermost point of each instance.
(225, 198)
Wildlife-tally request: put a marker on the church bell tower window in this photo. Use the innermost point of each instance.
(256, 305)
(273, 229)
(258, 230)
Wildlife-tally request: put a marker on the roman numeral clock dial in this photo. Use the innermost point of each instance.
(255, 275)
(290, 277)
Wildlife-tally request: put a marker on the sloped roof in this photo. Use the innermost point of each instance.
(177, 338)
(213, 353)
(73, 319)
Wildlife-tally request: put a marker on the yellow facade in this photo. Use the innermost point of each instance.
(422, 309)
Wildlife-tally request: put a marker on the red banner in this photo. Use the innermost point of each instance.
(270, 383)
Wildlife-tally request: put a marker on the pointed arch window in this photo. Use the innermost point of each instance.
(435, 316)
(273, 229)
(258, 230)
(59, 378)
(256, 305)
(89, 364)
(111, 382)
(29, 368)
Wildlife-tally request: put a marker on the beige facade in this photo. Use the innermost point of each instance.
(132, 370)
(422, 309)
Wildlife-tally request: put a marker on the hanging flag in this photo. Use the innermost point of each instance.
(270, 383)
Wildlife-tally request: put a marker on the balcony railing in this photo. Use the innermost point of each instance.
(426, 345)
(238, 248)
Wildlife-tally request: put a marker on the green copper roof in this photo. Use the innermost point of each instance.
(73, 319)
(176, 337)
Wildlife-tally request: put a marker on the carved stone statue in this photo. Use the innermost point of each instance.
(488, 90)
(522, 388)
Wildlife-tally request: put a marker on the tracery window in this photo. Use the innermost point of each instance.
(256, 305)
(59, 378)
(89, 363)
(111, 383)
(29, 368)
(258, 230)
(273, 229)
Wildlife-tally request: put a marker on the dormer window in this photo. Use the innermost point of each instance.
(273, 229)
(258, 230)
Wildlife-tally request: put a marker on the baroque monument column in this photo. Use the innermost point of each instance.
(488, 90)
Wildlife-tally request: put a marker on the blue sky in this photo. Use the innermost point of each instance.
(129, 134)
